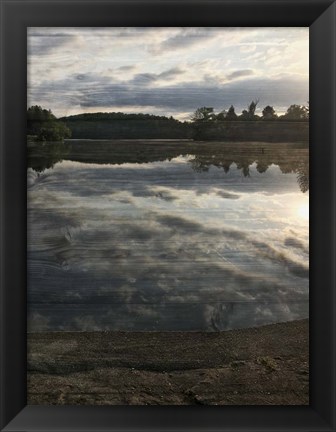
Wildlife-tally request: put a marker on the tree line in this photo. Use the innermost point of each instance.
(101, 116)
(118, 125)
(293, 113)
(42, 124)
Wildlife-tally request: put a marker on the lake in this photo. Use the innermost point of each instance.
(166, 235)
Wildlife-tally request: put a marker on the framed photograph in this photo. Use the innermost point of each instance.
(167, 215)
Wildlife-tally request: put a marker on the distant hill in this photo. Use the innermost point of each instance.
(117, 125)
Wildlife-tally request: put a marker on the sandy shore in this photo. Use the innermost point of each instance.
(258, 366)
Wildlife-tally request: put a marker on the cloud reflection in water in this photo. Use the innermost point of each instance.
(162, 246)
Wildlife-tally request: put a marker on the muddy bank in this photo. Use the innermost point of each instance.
(258, 366)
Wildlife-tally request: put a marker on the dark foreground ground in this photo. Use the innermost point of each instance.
(258, 366)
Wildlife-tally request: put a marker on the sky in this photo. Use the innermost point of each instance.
(166, 71)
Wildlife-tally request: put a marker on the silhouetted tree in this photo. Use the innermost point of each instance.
(249, 114)
(307, 109)
(296, 112)
(303, 175)
(44, 126)
(221, 116)
(231, 115)
(203, 114)
(252, 107)
(262, 167)
(268, 113)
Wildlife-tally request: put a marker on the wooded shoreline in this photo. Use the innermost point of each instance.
(236, 130)
(42, 125)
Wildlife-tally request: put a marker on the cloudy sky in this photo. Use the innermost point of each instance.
(166, 71)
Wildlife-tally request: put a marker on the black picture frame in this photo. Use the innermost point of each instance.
(16, 16)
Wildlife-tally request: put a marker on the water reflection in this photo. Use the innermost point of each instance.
(244, 162)
(44, 155)
(291, 158)
(195, 242)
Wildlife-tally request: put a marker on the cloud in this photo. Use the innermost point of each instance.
(227, 195)
(155, 192)
(90, 91)
(247, 48)
(296, 243)
(148, 78)
(239, 74)
(180, 223)
(144, 79)
(298, 269)
(171, 73)
(127, 68)
(183, 39)
(41, 44)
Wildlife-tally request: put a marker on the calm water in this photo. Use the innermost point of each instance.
(166, 235)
